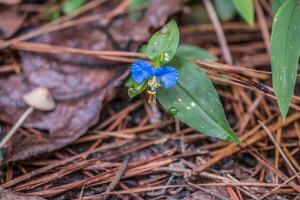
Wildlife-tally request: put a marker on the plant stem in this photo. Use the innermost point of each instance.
(157, 63)
(16, 126)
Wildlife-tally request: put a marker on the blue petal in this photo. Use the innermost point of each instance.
(168, 76)
(141, 70)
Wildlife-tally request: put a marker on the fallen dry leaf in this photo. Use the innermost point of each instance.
(79, 84)
(7, 195)
(10, 2)
(10, 21)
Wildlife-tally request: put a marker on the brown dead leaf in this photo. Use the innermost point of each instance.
(10, 21)
(7, 195)
(10, 2)
(79, 84)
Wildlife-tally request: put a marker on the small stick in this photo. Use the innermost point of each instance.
(277, 154)
(279, 186)
(232, 193)
(81, 194)
(279, 149)
(263, 25)
(219, 31)
(246, 190)
(118, 177)
(207, 191)
(16, 126)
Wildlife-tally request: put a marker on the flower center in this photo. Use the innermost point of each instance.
(153, 84)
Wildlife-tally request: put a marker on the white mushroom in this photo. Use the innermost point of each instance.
(40, 99)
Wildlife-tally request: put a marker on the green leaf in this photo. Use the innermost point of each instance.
(245, 9)
(51, 13)
(285, 51)
(135, 88)
(225, 9)
(135, 4)
(195, 102)
(143, 48)
(192, 52)
(276, 4)
(70, 6)
(163, 44)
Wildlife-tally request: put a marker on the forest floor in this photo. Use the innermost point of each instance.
(99, 144)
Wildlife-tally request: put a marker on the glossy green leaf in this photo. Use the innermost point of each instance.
(192, 52)
(276, 4)
(285, 51)
(245, 9)
(163, 44)
(225, 9)
(70, 6)
(134, 88)
(195, 102)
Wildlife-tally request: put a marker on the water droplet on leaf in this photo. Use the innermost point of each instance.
(164, 30)
(173, 111)
(193, 104)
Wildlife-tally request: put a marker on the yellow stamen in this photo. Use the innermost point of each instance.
(152, 96)
(151, 92)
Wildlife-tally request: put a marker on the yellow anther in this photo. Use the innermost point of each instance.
(153, 84)
(151, 92)
(157, 85)
(152, 96)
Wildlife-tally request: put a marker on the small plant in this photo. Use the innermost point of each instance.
(180, 86)
(186, 91)
(67, 7)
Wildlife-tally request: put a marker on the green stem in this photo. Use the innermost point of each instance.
(157, 63)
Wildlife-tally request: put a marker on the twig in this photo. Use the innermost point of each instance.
(54, 49)
(219, 31)
(232, 193)
(118, 177)
(271, 168)
(279, 186)
(244, 189)
(208, 192)
(16, 126)
(279, 149)
(81, 194)
(277, 155)
(263, 25)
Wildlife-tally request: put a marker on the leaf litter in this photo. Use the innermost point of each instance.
(166, 160)
(79, 84)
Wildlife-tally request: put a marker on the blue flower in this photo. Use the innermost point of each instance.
(142, 70)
